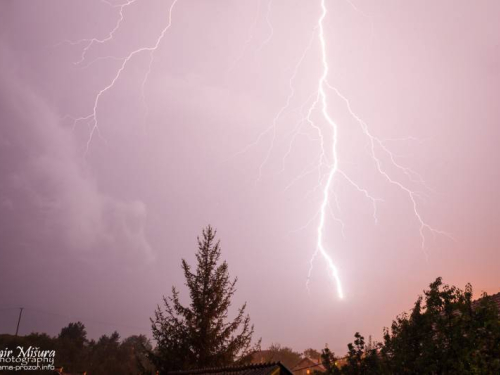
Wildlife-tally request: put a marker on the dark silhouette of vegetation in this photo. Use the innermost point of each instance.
(109, 355)
(312, 353)
(446, 332)
(200, 335)
(76, 354)
(330, 363)
(72, 346)
(283, 354)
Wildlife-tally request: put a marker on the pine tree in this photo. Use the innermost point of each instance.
(200, 335)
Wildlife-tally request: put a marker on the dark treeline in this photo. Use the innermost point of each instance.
(77, 354)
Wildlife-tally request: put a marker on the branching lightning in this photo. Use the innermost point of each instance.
(124, 61)
(91, 41)
(329, 159)
(326, 130)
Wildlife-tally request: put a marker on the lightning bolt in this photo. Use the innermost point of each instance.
(92, 117)
(374, 143)
(327, 164)
(333, 165)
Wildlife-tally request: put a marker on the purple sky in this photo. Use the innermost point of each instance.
(97, 234)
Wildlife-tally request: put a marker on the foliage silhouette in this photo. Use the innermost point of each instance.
(200, 335)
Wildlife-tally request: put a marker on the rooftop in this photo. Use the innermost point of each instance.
(272, 368)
